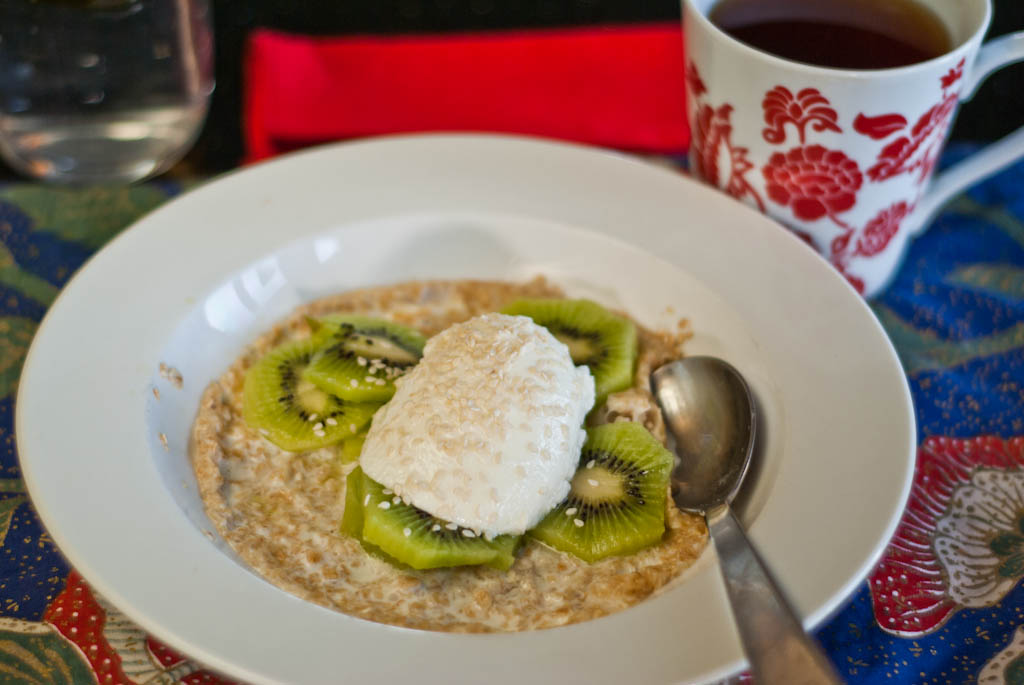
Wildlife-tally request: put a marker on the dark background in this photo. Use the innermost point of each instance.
(997, 109)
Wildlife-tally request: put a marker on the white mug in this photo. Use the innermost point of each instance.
(842, 157)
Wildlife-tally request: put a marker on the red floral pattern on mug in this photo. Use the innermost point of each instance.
(845, 165)
(816, 182)
(919, 150)
(840, 243)
(880, 230)
(697, 87)
(808, 106)
(839, 256)
(879, 127)
(813, 181)
(711, 133)
(712, 146)
(905, 155)
(953, 75)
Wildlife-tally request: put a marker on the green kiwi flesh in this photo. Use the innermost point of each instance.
(352, 518)
(616, 503)
(290, 411)
(359, 356)
(605, 342)
(350, 448)
(383, 519)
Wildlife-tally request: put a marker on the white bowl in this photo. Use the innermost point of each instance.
(194, 281)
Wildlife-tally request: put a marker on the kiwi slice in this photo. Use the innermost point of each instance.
(350, 448)
(361, 356)
(507, 547)
(290, 411)
(413, 537)
(616, 504)
(603, 341)
(352, 518)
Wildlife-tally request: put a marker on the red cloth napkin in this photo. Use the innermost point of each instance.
(619, 86)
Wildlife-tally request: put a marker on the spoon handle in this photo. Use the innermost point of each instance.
(775, 643)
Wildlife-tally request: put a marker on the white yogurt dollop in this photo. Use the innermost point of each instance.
(486, 430)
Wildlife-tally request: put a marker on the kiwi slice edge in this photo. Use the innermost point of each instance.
(411, 538)
(291, 412)
(616, 504)
(605, 342)
(360, 356)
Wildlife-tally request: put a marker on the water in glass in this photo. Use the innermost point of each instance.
(102, 90)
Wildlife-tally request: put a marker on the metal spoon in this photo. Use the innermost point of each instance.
(709, 411)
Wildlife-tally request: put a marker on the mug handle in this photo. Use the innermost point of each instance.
(992, 56)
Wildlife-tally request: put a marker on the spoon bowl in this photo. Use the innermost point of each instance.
(710, 412)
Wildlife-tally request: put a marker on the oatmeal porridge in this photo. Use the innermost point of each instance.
(281, 510)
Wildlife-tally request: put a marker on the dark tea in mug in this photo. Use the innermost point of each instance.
(843, 34)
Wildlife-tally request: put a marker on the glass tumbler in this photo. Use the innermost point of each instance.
(102, 91)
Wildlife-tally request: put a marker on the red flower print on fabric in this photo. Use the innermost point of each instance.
(808, 106)
(77, 615)
(813, 181)
(116, 650)
(960, 542)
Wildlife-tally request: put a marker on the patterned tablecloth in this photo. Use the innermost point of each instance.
(945, 605)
